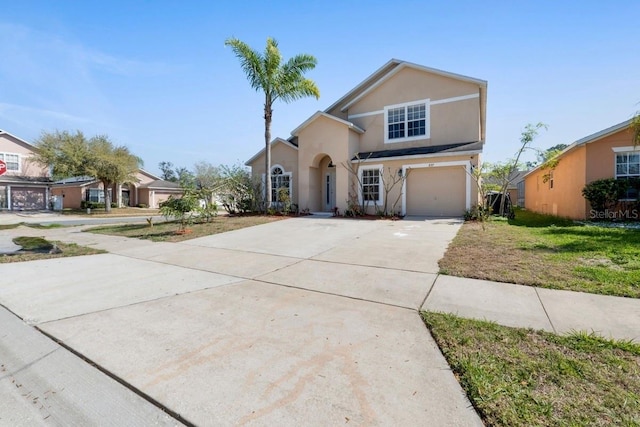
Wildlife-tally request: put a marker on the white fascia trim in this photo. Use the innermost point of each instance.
(149, 174)
(318, 114)
(380, 169)
(455, 98)
(30, 145)
(363, 83)
(436, 102)
(427, 115)
(371, 113)
(467, 168)
(405, 64)
(373, 86)
(589, 139)
(625, 149)
(274, 142)
(420, 156)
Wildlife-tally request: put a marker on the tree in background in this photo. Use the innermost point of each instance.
(635, 128)
(168, 174)
(186, 178)
(504, 172)
(277, 80)
(71, 155)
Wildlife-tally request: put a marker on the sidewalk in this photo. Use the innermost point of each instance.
(507, 304)
(538, 308)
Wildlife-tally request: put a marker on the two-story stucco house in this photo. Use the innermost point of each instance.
(420, 124)
(24, 185)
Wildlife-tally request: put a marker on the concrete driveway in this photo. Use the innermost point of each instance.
(298, 322)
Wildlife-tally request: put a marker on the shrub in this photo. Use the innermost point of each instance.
(85, 204)
(180, 208)
(476, 213)
(142, 205)
(604, 194)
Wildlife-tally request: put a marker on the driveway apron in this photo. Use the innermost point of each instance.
(297, 322)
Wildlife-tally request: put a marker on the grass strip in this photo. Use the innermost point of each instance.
(522, 377)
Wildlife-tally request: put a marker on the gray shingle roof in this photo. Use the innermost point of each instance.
(417, 151)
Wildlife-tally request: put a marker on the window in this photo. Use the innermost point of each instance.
(280, 180)
(371, 184)
(96, 195)
(12, 161)
(551, 179)
(628, 166)
(407, 121)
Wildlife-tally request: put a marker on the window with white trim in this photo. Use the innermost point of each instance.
(12, 161)
(371, 184)
(280, 180)
(96, 195)
(628, 166)
(406, 122)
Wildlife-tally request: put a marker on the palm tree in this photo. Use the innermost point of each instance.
(285, 81)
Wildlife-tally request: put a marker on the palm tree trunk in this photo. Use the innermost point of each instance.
(267, 151)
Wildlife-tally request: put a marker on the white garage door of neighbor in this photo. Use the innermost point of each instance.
(436, 191)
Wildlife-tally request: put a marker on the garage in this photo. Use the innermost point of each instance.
(28, 198)
(437, 191)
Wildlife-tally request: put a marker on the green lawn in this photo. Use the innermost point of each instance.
(522, 377)
(168, 231)
(36, 248)
(550, 252)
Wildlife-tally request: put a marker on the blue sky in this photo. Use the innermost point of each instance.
(155, 75)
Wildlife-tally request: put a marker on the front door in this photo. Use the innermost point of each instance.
(330, 190)
(125, 198)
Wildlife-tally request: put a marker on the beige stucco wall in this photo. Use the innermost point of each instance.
(565, 198)
(445, 187)
(27, 167)
(451, 122)
(323, 137)
(283, 155)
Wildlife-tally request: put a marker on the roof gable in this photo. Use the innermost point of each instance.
(594, 137)
(387, 71)
(319, 114)
(19, 141)
(273, 143)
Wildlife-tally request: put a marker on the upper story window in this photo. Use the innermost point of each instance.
(628, 166)
(406, 122)
(12, 161)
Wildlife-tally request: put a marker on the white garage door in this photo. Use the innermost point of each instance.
(437, 191)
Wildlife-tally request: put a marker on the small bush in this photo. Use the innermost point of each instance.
(142, 205)
(476, 213)
(85, 204)
(604, 194)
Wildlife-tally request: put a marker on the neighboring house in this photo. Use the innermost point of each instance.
(609, 153)
(419, 123)
(148, 190)
(515, 189)
(25, 185)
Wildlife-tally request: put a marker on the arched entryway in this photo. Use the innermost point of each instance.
(327, 187)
